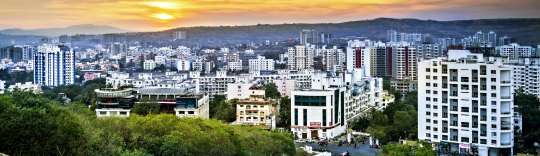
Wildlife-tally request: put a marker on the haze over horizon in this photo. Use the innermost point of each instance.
(148, 15)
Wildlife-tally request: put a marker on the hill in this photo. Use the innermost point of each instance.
(527, 31)
(71, 30)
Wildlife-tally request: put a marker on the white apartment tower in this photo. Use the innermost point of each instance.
(300, 57)
(332, 57)
(54, 65)
(467, 102)
(261, 63)
(309, 36)
(178, 35)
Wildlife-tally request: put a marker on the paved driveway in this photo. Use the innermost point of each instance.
(361, 150)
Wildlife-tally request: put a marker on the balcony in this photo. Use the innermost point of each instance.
(505, 128)
(483, 119)
(464, 80)
(453, 94)
(506, 143)
(483, 103)
(453, 79)
(474, 126)
(454, 124)
(505, 113)
(445, 101)
(482, 88)
(483, 142)
(475, 111)
(505, 81)
(505, 97)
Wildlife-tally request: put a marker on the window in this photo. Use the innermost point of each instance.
(435, 114)
(428, 91)
(435, 92)
(493, 79)
(434, 77)
(493, 94)
(493, 72)
(427, 77)
(493, 141)
(493, 133)
(434, 84)
(427, 84)
(493, 126)
(435, 121)
(427, 69)
(435, 107)
(493, 110)
(434, 70)
(241, 105)
(428, 135)
(428, 113)
(428, 98)
(428, 120)
(435, 129)
(428, 106)
(493, 87)
(435, 136)
(428, 127)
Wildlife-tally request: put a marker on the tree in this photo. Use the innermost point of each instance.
(528, 109)
(214, 104)
(88, 95)
(421, 148)
(146, 107)
(271, 91)
(33, 125)
(97, 67)
(284, 114)
(227, 111)
(361, 124)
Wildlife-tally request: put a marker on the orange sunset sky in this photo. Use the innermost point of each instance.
(148, 15)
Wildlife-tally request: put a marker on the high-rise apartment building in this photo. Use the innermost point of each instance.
(54, 65)
(261, 63)
(466, 101)
(309, 36)
(300, 57)
(332, 57)
(178, 35)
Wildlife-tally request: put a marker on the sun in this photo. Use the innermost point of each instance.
(163, 16)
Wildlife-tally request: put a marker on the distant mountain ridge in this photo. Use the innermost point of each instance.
(71, 30)
(526, 30)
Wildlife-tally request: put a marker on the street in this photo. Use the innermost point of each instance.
(361, 150)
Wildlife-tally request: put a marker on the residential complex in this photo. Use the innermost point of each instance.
(464, 100)
(54, 65)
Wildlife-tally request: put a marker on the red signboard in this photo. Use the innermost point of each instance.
(314, 124)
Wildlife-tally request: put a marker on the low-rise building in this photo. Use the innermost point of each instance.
(256, 110)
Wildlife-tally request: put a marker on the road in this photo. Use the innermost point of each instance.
(363, 149)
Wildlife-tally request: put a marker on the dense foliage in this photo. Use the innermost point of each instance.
(284, 113)
(406, 150)
(271, 91)
(227, 111)
(530, 133)
(146, 107)
(398, 120)
(34, 125)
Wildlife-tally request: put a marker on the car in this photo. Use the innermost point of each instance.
(300, 141)
(323, 142)
(310, 141)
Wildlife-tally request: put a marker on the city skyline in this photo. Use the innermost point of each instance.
(143, 15)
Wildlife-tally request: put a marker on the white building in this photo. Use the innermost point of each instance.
(235, 66)
(198, 66)
(332, 57)
(178, 35)
(160, 59)
(261, 64)
(456, 106)
(27, 86)
(239, 90)
(54, 65)
(285, 86)
(325, 109)
(183, 65)
(149, 65)
(300, 57)
(208, 66)
(515, 51)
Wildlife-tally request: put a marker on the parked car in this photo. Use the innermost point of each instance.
(300, 141)
(323, 142)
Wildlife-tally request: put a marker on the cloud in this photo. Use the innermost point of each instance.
(159, 14)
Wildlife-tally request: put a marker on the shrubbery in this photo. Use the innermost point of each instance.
(32, 125)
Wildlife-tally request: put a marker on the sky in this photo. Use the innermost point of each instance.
(149, 15)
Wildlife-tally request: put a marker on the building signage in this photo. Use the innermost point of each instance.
(463, 146)
(315, 124)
